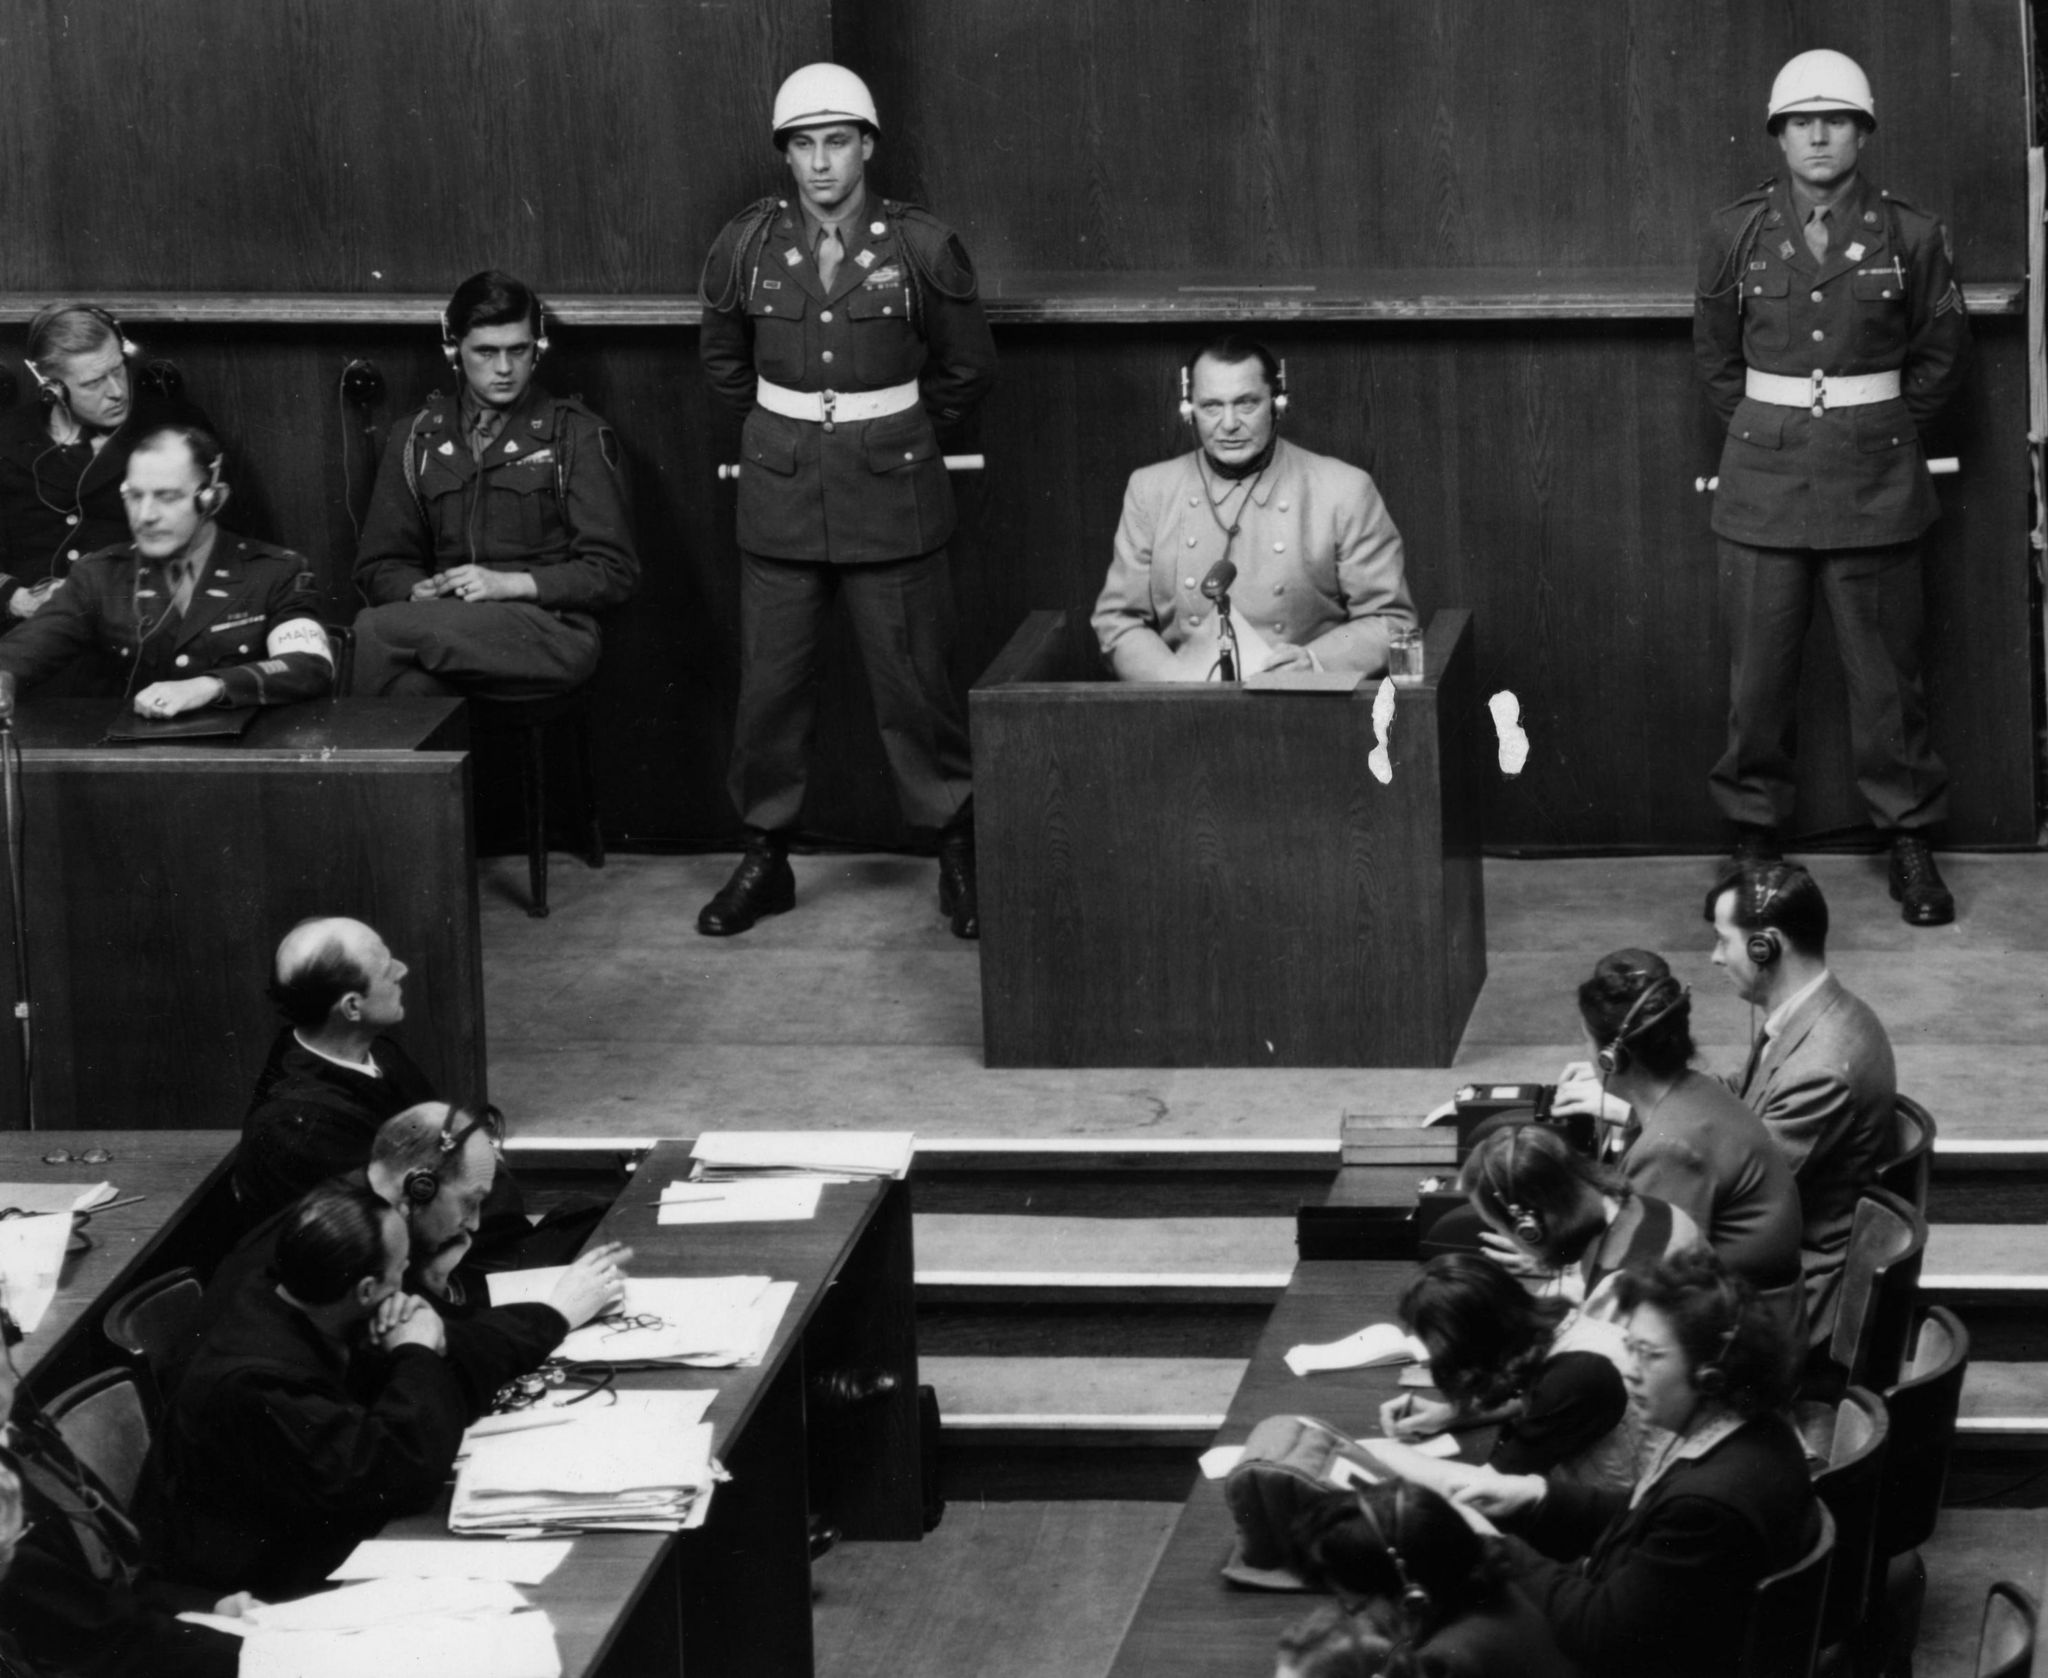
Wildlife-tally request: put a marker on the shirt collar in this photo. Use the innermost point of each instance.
(1774, 1022)
(1675, 1448)
(843, 222)
(472, 411)
(367, 1065)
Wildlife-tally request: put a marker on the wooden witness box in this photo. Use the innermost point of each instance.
(1213, 876)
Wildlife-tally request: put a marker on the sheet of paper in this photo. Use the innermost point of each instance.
(864, 1153)
(1416, 1375)
(56, 1197)
(1219, 1460)
(31, 1257)
(493, 1646)
(662, 1318)
(452, 1558)
(768, 1200)
(1376, 1343)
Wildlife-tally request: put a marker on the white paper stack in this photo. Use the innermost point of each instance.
(755, 1200)
(704, 1322)
(1371, 1346)
(56, 1197)
(849, 1154)
(31, 1258)
(636, 1464)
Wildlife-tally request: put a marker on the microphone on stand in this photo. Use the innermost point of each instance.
(1216, 587)
(6, 700)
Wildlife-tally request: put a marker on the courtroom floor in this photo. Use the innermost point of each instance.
(613, 1017)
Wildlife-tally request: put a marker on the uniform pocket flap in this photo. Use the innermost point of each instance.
(777, 299)
(1767, 282)
(898, 442)
(1877, 432)
(1876, 285)
(769, 442)
(874, 302)
(517, 477)
(1759, 423)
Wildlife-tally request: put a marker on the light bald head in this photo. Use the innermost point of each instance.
(337, 970)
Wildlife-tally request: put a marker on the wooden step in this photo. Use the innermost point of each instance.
(963, 1258)
(1996, 1263)
(1085, 1401)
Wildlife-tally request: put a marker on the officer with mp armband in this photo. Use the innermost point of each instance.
(1828, 330)
(845, 327)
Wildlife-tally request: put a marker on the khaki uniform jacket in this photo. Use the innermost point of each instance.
(548, 498)
(1885, 300)
(119, 602)
(903, 307)
(1319, 562)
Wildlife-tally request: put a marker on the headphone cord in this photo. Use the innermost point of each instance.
(17, 891)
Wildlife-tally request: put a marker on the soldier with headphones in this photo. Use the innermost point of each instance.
(1302, 543)
(847, 328)
(1668, 1569)
(189, 614)
(498, 528)
(1820, 1072)
(63, 456)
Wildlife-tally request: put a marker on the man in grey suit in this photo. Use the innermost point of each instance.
(1820, 1073)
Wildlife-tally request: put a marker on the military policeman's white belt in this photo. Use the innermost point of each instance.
(829, 405)
(1819, 392)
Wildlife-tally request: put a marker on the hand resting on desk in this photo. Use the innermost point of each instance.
(593, 1285)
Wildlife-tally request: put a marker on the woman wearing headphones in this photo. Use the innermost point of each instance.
(1549, 1209)
(1690, 1140)
(1549, 1376)
(1422, 1592)
(1669, 1571)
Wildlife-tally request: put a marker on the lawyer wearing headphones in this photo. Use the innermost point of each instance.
(1302, 543)
(498, 528)
(62, 458)
(189, 615)
(1820, 1072)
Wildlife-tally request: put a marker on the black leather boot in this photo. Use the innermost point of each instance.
(957, 900)
(1921, 893)
(762, 884)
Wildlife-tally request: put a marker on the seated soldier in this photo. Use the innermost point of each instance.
(319, 1404)
(499, 526)
(334, 1076)
(1318, 577)
(75, 1597)
(190, 614)
(63, 458)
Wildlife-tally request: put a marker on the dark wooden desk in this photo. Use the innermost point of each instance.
(184, 1220)
(160, 879)
(1192, 1621)
(1208, 876)
(735, 1596)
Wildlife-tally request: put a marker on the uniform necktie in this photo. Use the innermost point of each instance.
(181, 578)
(1817, 234)
(830, 252)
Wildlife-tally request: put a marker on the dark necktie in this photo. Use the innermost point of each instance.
(1817, 234)
(830, 251)
(180, 577)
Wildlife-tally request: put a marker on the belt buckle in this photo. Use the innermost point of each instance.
(1819, 394)
(827, 400)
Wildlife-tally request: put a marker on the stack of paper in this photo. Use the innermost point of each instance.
(849, 1154)
(705, 1322)
(1371, 1346)
(31, 1258)
(756, 1200)
(56, 1197)
(637, 1463)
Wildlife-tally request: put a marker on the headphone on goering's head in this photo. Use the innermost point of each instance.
(51, 389)
(451, 346)
(1187, 386)
(423, 1182)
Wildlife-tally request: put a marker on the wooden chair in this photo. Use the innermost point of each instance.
(1784, 1623)
(1874, 1310)
(103, 1422)
(2005, 1641)
(1847, 1439)
(527, 722)
(156, 1324)
(1923, 1409)
(1909, 1168)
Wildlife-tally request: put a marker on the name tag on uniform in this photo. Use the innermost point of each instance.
(771, 285)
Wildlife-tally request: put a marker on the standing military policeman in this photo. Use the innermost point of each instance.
(1828, 330)
(845, 328)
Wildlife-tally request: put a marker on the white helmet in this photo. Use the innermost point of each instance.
(822, 93)
(1821, 81)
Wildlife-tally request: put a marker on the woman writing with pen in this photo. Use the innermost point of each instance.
(1549, 1377)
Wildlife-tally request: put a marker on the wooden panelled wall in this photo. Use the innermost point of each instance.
(1109, 151)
